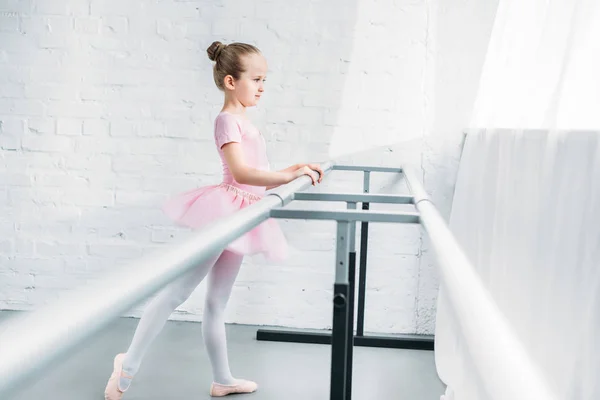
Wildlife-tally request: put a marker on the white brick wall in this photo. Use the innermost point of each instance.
(106, 109)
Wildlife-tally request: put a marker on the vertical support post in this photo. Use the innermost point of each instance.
(339, 336)
(351, 289)
(362, 279)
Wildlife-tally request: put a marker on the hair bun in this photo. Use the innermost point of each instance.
(214, 50)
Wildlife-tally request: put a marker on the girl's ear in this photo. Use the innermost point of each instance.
(229, 82)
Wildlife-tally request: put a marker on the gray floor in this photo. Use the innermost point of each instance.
(177, 367)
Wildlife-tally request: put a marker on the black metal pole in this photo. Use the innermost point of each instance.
(350, 329)
(362, 277)
(351, 288)
(339, 350)
(339, 335)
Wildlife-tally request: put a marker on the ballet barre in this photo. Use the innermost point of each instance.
(342, 337)
(33, 341)
(518, 375)
(398, 341)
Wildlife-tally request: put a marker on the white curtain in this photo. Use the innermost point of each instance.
(526, 208)
(541, 67)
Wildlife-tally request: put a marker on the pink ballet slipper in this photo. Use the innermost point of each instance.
(112, 390)
(218, 390)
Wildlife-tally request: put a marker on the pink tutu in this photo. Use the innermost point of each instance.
(198, 207)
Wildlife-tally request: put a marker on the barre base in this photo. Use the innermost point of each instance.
(409, 342)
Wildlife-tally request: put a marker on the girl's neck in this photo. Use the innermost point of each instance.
(233, 107)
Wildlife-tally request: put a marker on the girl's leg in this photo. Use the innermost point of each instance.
(220, 282)
(156, 314)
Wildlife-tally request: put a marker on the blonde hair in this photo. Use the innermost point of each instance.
(228, 60)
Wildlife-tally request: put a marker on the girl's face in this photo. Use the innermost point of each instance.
(250, 87)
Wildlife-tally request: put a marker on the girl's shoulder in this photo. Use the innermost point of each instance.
(226, 115)
(225, 118)
(228, 128)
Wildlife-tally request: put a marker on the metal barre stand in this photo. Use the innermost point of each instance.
(342, 337)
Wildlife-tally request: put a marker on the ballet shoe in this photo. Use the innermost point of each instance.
(243, 386)
(112, 390)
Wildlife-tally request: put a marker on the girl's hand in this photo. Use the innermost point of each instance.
(310, 172)
(317, 167)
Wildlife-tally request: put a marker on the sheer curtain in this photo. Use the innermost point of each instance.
(526, 208)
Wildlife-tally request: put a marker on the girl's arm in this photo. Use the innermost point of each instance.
(289, 169)
(242, 173)
(295, 167)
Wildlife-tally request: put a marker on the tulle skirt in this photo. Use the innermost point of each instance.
(198, 207)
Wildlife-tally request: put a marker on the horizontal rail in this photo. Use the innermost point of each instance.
(343, 215)
(355, 197)
(33, 341)
(366, 168)
(490, 340)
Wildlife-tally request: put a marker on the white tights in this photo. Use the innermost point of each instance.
(222, 271)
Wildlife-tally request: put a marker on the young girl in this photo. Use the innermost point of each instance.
(239, 71)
